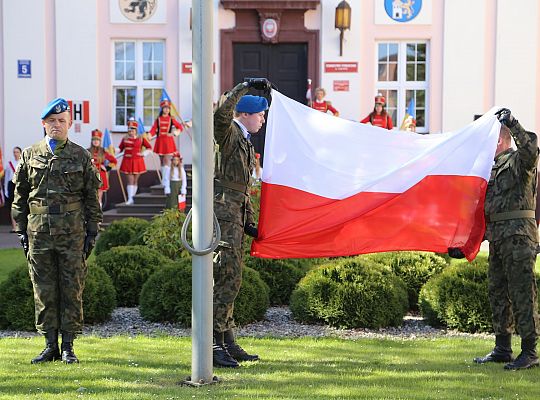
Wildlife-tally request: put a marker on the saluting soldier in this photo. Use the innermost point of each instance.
(57, 215)
(234, 120)
(513, 239)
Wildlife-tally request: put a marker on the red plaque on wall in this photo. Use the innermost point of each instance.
(341, 86)
(187, 68)
(340, 67)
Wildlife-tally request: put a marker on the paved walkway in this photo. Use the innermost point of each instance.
(8, 240)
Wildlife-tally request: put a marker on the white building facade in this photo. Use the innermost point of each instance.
(113, 58)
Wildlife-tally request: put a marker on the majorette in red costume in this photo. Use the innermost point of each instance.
(99, 155)
(133, 160)
(379, 117)
(163, 128)
(322, 105)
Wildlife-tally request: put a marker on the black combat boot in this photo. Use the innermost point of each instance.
(221, 356)
(527, 358)
(51, 351)
(501, 353)
(68, 356)
(235, 350)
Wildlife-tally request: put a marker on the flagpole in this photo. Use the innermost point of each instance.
(121, 184)
(203, 171)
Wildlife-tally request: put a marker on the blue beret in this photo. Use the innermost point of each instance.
(252, 104)
(56, 106)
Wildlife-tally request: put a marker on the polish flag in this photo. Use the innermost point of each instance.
(333, 187)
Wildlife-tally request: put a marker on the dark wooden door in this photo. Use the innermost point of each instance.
(285, 65)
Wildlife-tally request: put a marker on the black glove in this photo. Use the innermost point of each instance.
(89, 243)
(455, 252)
(23, 238)
(259, 84)
(505, 117)
(108, 168)
(251, 230)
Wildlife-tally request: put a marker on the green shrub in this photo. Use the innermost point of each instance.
(351, 293)
(458, 297)
(166, 295)
(163, 234)
(252, 300)
(129, 267)
(99, 295)
(281, 276)
(127, 231)
(17, 299)
(414, 267)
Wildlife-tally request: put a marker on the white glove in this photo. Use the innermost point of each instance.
(146, 152)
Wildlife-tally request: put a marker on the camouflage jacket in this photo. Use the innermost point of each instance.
(512, 186)
(56, 193)
(237, 160)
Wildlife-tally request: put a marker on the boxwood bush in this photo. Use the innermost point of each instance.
(414, 267)
(127, 231)
(163, 234)
(281, 276)
(166, 295)
(458, 297)
(129, 267)
(351, 293)
(17, 299)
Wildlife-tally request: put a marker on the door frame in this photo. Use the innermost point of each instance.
(247, 30)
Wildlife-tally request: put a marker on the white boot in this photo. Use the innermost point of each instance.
(166, 179)
(129, 189)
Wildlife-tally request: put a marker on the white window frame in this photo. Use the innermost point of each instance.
(402, 85)
(139, 83)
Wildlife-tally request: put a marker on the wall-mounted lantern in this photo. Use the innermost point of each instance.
(343, 21)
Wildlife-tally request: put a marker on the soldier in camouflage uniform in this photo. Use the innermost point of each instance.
(234, 120)
(57, 213)
(513, 238)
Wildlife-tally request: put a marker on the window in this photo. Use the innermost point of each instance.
(402, 75)
(138, 79)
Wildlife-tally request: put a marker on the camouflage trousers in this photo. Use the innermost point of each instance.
(227, 275)
(58, 270)
(512, 286)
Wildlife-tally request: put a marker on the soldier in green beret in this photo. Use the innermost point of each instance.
(513, 239)
(57, 215)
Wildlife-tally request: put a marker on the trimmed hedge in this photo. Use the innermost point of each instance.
(164, 234)
(414, 267)
(129, 267)
(127, 231)
(351, 293)
(458, 297)
(281, 276)
(99, 295)
(166, 296)
(17, 299)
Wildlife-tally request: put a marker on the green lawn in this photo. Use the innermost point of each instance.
(152, 368)
(9, 260)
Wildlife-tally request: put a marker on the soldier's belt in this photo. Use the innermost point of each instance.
(55, 209)
(516, 214)
(238, 187)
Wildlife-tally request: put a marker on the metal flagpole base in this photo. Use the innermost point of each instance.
(201, 382)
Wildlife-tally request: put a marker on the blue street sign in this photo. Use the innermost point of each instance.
(24, 68)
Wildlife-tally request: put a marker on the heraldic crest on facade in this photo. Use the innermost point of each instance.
(138, 10)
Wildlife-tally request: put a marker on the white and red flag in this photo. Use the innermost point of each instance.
(333, 187)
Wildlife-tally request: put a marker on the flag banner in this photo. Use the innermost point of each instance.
(334, 187)
(107, 142)
(409, 120)
(181, 202)
(140, 127)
